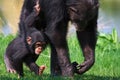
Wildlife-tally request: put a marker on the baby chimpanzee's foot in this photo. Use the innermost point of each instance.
(41, 69)
(37, 7)
(11, 70)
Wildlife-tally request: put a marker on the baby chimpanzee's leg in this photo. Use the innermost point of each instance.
(9, 65)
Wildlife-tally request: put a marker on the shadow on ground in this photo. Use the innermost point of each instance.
(48, 77)
(94, 77)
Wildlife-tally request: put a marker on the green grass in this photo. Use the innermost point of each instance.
(106, 67)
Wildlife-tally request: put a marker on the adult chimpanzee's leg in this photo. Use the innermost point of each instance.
(56, 30)
(57, 36)
(87, 39)
(55, 68)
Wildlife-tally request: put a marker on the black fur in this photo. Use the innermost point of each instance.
(19, 51)
(53, 20)
(83, 14)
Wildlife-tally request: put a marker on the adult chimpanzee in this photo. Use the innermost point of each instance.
(54, 18)
(18, 51)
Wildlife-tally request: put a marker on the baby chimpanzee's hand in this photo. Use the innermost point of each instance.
(37, 7)
(41, 69)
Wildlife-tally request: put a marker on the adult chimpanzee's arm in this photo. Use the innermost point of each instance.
(87, 39)
(84, 14)
(31, 18)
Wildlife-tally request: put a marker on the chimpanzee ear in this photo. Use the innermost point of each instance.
(29, 40)
(73, 9)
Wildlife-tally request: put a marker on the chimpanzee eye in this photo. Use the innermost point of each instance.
(37, 45)
(40, 44)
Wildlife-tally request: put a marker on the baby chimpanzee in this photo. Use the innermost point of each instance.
(17, 52)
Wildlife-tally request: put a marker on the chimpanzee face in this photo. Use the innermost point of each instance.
(78, 15)
(39, 47)
(81, 12)
(36, 42)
